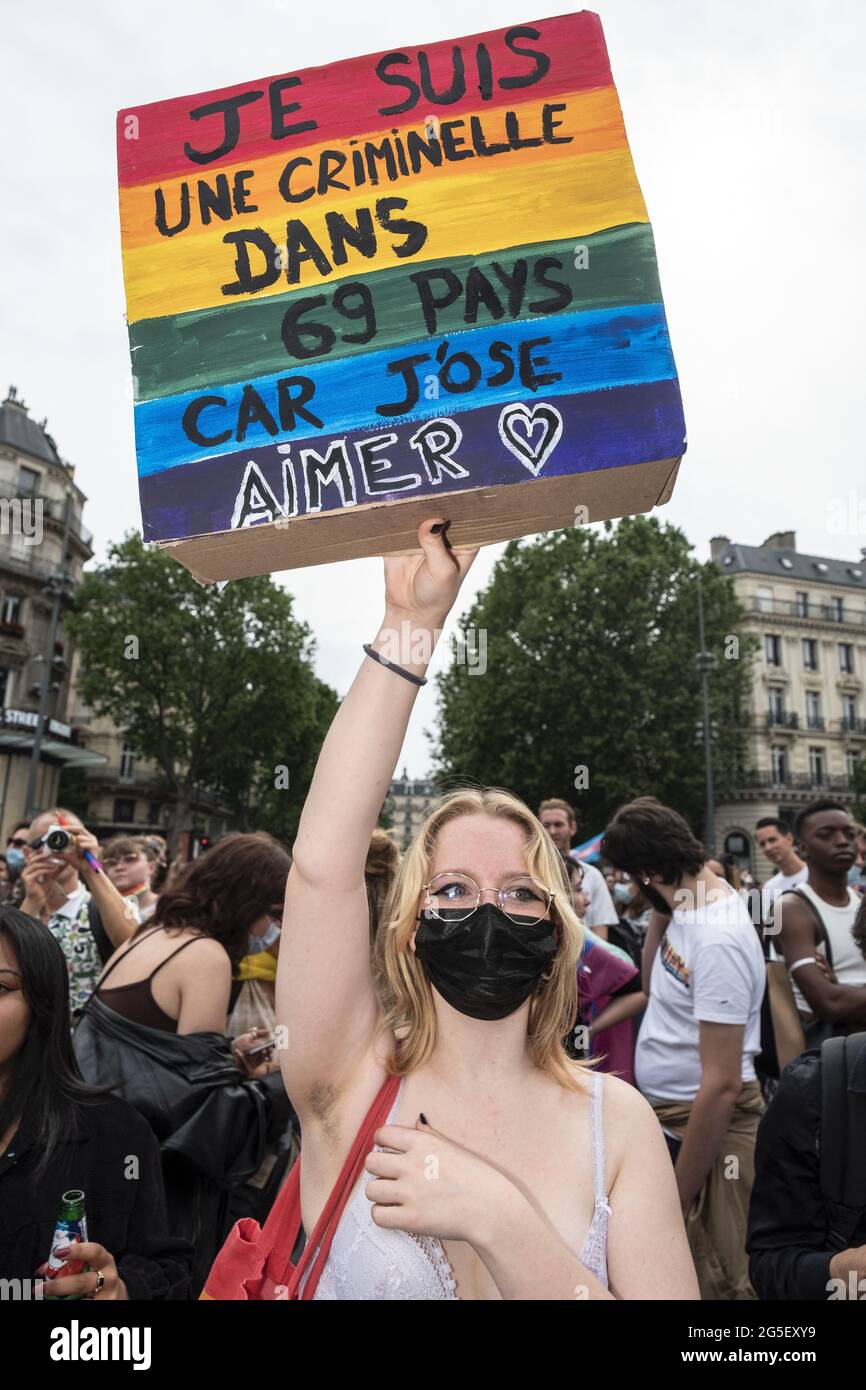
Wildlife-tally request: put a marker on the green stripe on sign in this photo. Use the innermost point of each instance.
(209, 347)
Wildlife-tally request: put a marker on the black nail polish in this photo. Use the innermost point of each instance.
(435, 530)
(423, 1118)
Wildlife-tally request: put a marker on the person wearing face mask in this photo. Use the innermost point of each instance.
(156, 1026)
(610, 997)
(17, 842)
(446, 1058)
(5, 881)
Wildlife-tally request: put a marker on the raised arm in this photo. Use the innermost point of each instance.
(325, 995)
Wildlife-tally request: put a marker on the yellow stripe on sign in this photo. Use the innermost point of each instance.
(592, 120)
(484, 211)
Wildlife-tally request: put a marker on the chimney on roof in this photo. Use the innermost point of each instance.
(718, 546)
(781, 540)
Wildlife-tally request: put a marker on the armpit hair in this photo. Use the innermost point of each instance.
(322, 1099)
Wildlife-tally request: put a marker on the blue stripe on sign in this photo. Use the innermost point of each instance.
(601, 429)
(591, 351)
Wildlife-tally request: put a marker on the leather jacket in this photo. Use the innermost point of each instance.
(212, 1123)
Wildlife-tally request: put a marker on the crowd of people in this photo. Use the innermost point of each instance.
(638, 1079)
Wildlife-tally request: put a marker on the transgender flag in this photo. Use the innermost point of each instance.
(590, 850)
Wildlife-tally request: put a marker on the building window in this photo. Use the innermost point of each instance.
(780, 762)
(773, 649)
(849, 711)
(737, 844)
(846, 658)
(4, 686)
(802, 604)
(813, 710)
(777, 705)
(153, 813)
(11, 611)
(817, 769)
(837, 610)
(20, 547)
(765, 600)
(28, 482)
(127, 763)
(810, 653)
(852, 758)
(124, 811)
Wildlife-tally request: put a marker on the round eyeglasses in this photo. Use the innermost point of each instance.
(522, 899)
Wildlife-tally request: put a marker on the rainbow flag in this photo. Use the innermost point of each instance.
(422, 271)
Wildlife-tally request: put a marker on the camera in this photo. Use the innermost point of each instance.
(57, 839)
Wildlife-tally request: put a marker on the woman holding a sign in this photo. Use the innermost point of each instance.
(490, 1164)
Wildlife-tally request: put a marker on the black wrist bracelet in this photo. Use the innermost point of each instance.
(392, 666)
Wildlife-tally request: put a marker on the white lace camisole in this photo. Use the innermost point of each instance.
(366, 1262)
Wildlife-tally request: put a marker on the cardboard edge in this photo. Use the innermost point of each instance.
(537, 506)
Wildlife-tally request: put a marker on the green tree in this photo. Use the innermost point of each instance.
(592, 690)
(213, 685)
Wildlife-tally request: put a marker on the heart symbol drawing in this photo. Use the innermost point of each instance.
(517, 427)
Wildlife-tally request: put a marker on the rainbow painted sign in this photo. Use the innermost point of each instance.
(423, 271)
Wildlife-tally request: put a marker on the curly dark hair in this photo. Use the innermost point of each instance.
(225, 891)
(647, 837)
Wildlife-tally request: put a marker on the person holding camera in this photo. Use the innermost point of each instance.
(65, 888)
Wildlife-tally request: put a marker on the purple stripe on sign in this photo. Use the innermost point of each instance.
(495, 445)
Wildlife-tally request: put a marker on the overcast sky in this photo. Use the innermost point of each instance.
(747, 125)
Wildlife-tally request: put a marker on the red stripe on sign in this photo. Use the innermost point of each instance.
(446, 79)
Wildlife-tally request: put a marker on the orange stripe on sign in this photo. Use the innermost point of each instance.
(591, 122)
(481, 211)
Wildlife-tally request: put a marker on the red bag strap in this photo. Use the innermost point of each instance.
(318, 1247)
(283, 1225)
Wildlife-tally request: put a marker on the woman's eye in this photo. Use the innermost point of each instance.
(451, 890)
(520, 893)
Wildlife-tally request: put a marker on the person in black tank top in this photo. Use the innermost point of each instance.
(135, 1001)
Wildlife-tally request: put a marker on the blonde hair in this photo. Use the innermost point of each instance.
(403, 986)
(380, 870)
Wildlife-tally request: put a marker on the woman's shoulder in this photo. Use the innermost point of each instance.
(173, 937)
(629, 1120)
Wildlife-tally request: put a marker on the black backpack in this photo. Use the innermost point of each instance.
(843, 1138)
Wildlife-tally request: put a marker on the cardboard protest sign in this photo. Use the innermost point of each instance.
(421, 282)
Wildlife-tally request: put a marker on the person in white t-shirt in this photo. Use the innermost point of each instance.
(700, 1034)
(813, 926)
(776, 840)
(560, 822)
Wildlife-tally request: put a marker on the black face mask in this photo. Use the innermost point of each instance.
(484, 965)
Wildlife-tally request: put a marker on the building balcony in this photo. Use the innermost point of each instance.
(853, 724)
(794, 781)
(55, 512)
(11, 629)
(782, 719)
(846, 615)
(815, 721)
